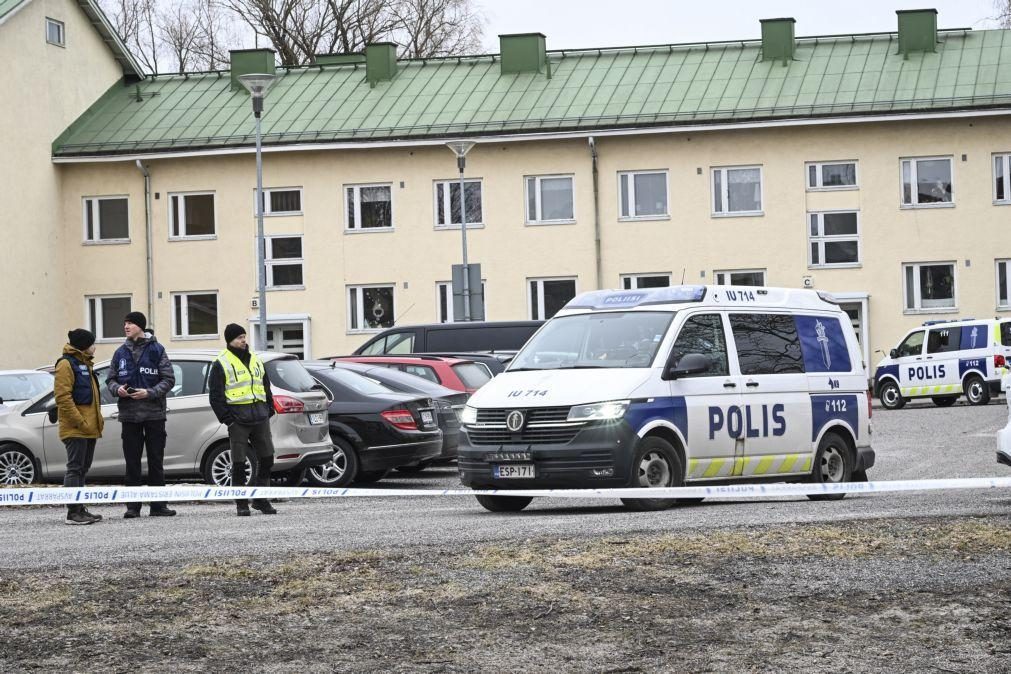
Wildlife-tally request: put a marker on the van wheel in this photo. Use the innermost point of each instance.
(340, 471)
(655, 465)
(218, 466)
(891, 397)
(944, 401)
(832, 465)
(16, 465)
(504, 504)
(976, 391)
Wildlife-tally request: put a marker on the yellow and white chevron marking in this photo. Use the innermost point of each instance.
(931, 390)
(772, 464)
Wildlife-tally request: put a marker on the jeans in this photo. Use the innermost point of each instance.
(135, 437)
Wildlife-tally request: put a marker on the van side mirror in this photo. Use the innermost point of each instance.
(894, 353)
(690, 363)
(53, 415)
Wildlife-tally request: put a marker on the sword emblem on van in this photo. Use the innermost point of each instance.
(822, 337)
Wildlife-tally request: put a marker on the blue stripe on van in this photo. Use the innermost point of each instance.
(671, 409)
(828, 408)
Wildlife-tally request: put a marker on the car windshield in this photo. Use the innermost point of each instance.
(24, 386)
(288, 373)
(597, 340)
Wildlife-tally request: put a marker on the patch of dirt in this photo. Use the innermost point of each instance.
(881, 595)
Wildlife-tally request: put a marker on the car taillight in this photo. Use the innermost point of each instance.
(402, 419)
(869, 408)
(999, 361)
(288, 405)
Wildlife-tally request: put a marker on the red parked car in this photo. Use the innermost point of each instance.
(458, 374)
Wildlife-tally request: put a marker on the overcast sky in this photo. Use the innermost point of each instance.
(572, 24)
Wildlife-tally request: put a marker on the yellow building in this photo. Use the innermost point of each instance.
(874, 167)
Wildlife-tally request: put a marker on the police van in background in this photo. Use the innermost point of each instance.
(943, 360)
(667, 386)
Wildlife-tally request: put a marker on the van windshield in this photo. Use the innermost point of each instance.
(612, 339)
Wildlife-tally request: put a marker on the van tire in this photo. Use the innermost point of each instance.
(655, 464)
(890, 396)
(833, 464)
(503, 504)
(944, 401)
(976, 391)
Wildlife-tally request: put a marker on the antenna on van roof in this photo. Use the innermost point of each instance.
(683, 275)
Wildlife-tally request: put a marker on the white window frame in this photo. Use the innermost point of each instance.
(273, 320)
(635, 279)
(819, 187)
(63, 32)
(631, 195)
(725, 192)
(537, 199)
(178, 334)
(822, 239)
(358, 229)
(914, 194)
(267, 212)
(1005, 158)
(183, 236)
(88, 299)
(269, 261)
(361, 307)
(996, 282)
(920, 309)
(447, 206)
(763, 272)
(539, 280)
(97, 223)
(450, 316)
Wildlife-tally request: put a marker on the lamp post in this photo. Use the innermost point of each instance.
(460, 148)
(258, 84)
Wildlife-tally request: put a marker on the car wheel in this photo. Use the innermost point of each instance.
(17, 466)
(832, 465)
(218, 466)
(340, 471)
(656, 464)
(944, 401)
(976, 391)
(504, 504)
(370, 476)
(890, 396)
(288, 478)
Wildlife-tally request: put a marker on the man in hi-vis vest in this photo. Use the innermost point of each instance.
(241, 399)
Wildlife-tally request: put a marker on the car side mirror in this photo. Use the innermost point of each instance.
(54, 415)
(690, 363)
(894, 353)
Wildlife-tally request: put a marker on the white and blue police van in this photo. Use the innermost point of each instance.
(672, 386)
(943, 360)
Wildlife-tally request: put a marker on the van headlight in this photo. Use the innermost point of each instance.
(468, 415)
(599, 411)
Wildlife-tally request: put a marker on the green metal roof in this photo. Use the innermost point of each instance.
(588, 89)
(8, 6)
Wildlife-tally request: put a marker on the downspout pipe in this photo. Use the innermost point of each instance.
(149, 236)
(596, 214)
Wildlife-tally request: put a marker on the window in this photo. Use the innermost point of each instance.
(1005, 333)
(737, 190)
(832, 176)
(1002, 178)
(287, 337)
(703, 334)
(740, 277)
(911, 345)
(55, 32)
(643, 194)
(444, 293)
(422, 371)
(637, 281)
(398, 342)
(191, 377)
(926, 181)
(369, 207)
(834, 238)
(191, 215)
(767, 344)
(473, 375)
(284, 262)
(548, 296)
(195, 315)
(370, 307)
(929, 286)
(105, 316)
(281, 201)
(943, 340)
(447, 203)
(106, 219)
(549, 199)
(1003, 285)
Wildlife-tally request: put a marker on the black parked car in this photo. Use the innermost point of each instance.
(448, 404)
(373, 428)
(462, 337)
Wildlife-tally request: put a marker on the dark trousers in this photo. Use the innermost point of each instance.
(80, 452)
(137, 437)
(257, 438)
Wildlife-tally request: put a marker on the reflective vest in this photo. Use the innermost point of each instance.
(243, 386)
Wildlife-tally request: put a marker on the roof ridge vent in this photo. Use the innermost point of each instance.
(917, 31)
(778, 40)
(524, 53)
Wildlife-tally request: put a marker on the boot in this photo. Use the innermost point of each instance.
(262, 479)
(75, 515)
(239, 480)
(92, 515)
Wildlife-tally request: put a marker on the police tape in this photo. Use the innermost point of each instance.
(116, 494)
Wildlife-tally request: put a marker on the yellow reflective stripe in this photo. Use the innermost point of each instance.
(764, 465)
(807, 465)
(738, 466)
(788, 462)
(692, 466)
(714, 467)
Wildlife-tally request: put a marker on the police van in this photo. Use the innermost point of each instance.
(943, 360)
(671, 386)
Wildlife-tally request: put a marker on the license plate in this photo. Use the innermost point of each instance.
(427, 417)
(317, 417)
(516, 471)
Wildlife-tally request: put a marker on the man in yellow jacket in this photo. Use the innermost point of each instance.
(79, 407)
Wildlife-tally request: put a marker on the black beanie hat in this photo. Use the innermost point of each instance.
(232, 331)
(137, 319)
(81, 339)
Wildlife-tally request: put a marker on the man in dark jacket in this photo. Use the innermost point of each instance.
(141, 375)
(240, 396)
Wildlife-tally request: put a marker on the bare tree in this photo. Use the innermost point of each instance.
(438, 27)
(1003, 9)
(135, 21)
(181, 34)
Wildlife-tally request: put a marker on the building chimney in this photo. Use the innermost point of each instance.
(249, 61)
(778, 40)
(380, 62)
(338, 59)
(917, 30)
(524, 53)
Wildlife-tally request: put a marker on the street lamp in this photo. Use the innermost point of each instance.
(460, 148)
(258, 84)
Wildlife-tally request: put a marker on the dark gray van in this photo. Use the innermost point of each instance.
(475, 336)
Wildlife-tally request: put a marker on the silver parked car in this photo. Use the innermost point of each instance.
(31, 450)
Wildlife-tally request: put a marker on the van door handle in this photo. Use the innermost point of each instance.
(751, 384)
(729, 384)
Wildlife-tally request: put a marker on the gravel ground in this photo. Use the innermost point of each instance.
(886, 582)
